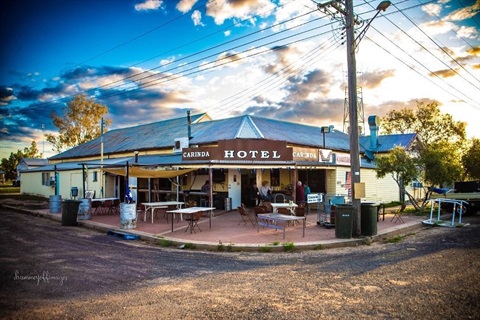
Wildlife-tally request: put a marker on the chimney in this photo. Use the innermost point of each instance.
(189, 122)
(374, 123)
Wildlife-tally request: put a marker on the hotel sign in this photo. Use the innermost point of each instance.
(241, 150)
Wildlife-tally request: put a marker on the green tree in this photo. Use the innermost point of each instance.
(471, 160)
(79, 123)
(427, 122)
(401, 166)
(441, 164)
(10, 165)
(440, 136)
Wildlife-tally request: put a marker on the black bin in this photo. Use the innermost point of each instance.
(69, 212)
(368, 216)
(344, 221)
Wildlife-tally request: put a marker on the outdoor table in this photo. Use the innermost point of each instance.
(270, 220)
(289, 206)
(158, 205)
(192, 211)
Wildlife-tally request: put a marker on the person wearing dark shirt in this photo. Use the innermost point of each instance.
(206, 186)
(300, 193)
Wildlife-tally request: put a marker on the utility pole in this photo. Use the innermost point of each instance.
(346, 10)
(352, 109)
(101, 158)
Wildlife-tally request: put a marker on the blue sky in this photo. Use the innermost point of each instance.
(150, 60)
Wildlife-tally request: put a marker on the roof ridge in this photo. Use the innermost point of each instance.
(248, 123)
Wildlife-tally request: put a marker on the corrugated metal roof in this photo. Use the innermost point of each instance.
(161, 135)
(156, 135)
(388, 142)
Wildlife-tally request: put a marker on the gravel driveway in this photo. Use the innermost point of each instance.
(54, 272)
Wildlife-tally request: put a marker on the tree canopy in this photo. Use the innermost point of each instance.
(427, 122)
(79, 123)
(10, 165)
(442, 139)
(471, 160)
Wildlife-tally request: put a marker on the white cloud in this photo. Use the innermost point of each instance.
(197, 18)
(464, 13)
(432, 9)
(227, 33)
(222, 10)
(148, 5)
(467, 32)
(186, 5)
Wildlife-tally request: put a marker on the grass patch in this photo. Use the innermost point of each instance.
(395, 239)
(265, 249)
(275, 243)
(319, 247)
(398, 238)
(288, 246)
(165, 243)
(9, 189)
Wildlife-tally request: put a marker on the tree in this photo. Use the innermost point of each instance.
(440, 136)
(79, 124)
(10, 165)
(471, 160)
(401, 166)
(441, 164)
(427, 122)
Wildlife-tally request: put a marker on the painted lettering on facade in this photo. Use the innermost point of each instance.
(251, 154)
(241, 150)
(305, 154)
(342, 159)
(196, 154)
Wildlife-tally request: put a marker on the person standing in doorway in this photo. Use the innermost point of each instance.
(255, 195)
(306, 190)
(300, 193)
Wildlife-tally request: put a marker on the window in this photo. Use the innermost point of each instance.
(45, 178)
(95, 176)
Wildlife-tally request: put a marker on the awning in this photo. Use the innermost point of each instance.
(147, 173)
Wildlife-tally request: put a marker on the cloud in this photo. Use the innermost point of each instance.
(6, 95)
(185, 5)
(222, 10)
(372, 80)
(446, 73)
(148, 5)
(432, 9)
(227, 33)
(197, 18)
(475, 51)
(464, 13)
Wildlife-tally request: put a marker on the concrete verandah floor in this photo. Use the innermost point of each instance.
(225, 229)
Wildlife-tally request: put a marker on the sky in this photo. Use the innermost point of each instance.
(152, 60)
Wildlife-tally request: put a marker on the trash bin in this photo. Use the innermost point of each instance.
(344, 221)
(228, 204)
(368, 217)
(69, 212)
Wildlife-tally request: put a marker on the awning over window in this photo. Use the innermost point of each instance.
(147, 173)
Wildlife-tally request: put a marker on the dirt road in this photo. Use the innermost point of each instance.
(49, 272)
